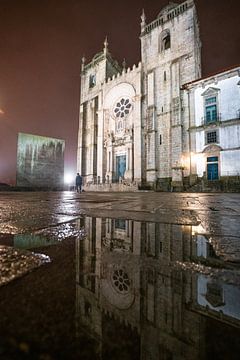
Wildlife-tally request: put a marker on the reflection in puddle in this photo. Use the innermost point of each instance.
(15, 263)
(144, 290)
(163, 283)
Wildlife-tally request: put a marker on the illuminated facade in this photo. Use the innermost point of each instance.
(136, 125)
(214, 126)
(131, 124)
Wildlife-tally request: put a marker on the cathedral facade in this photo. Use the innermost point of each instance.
(134, 127)
(132, 131)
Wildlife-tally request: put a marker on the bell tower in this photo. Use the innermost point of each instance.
(171, 57)
(93, 75)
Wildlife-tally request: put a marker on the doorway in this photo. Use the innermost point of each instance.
(212, 168)
(120, 166)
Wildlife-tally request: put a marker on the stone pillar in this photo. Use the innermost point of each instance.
(192, 138)
(100, 144)
(128, 173)
(110, 163)
(80, 141)
(151, 145)
(91, 144)
(137, 139)
(176, 128)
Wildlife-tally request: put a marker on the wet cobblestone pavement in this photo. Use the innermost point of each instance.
(123, 275)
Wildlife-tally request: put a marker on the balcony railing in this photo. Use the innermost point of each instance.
(205, 120)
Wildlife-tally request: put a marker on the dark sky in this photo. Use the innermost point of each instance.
(41, 46)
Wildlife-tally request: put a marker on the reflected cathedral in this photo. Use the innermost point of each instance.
(144, 291)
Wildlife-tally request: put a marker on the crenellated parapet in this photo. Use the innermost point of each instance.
(168, 13)
(122, 75)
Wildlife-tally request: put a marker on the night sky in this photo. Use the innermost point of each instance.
(41, 46)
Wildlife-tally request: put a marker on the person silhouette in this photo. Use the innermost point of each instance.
(79, 183)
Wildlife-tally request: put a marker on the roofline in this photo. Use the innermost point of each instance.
(233, 67)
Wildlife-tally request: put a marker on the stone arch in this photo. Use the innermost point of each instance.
(165, 40)
(212, 162)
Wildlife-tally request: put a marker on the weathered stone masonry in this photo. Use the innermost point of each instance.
(134, 124)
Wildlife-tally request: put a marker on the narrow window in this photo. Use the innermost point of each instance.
(160, 246)
(92, 80)
(160, 139)
(238, 114)
(164, 76)
(211, 109)
(165, 40)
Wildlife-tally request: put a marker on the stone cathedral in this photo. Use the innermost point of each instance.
(133, 124)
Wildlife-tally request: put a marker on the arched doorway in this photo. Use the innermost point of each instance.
(212, 161)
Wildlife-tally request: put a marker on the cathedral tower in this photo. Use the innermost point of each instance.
(170, 51)
(90, 140)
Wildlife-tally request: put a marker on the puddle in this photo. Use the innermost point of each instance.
(127, 289)
(15, 263)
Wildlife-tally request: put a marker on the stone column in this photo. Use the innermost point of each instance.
(128, 173)
(80, 141)
(151, 145)
(91, 144)
(110, 155)
(176, 128)
(100, 143)
(137, 139)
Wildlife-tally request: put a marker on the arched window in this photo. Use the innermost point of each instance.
(165, 40)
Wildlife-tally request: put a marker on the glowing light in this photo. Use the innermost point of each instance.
(199, 229)
(185, 162)
(68, 178)
(196, 157)
(1, 112)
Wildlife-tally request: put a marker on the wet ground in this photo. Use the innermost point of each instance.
(119, 276)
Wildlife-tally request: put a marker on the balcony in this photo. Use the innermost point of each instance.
(208, 120)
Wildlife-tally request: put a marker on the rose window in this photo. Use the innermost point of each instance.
(121, 281)
(122, 108)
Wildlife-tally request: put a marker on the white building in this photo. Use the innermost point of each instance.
(214, 116)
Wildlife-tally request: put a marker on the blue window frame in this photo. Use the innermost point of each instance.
(212, 159)
(211, 109)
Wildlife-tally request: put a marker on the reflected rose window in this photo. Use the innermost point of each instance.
(122, 108)
(121, 281)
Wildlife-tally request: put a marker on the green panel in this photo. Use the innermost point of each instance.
(40, 161)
